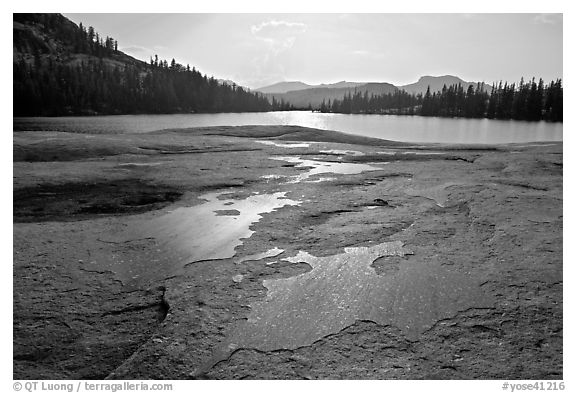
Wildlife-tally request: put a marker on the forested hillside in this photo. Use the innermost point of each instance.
(61, 68)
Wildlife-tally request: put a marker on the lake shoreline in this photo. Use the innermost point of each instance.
(93, 298)
(409, 129)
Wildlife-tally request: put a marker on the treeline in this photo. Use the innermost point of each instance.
(95, 87)
(532, 101)
(398, 102)
(96, 78)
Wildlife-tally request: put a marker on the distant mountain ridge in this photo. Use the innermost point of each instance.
(302, 95)
(436, 84)
(313, 97)
(285, 87)
(342, 84)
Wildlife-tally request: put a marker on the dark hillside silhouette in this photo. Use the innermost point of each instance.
(61, 68)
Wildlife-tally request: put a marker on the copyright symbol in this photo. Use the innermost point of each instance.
(17, 386)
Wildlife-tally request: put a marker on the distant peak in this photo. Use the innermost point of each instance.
(438, 77)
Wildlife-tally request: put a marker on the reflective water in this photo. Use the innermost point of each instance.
(200, 233)
(345, 152)
(319, 167)
(273, 252)
(344, 288)
(398, 128)
(286, 145)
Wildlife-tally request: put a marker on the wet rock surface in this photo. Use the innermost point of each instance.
(478, 295)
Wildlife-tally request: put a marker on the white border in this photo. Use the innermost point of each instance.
(303, 6)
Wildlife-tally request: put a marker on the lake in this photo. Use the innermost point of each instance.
(398, 128)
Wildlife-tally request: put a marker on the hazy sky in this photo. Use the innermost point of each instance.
(255, 50)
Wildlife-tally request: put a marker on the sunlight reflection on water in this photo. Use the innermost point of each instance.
(399, 128)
